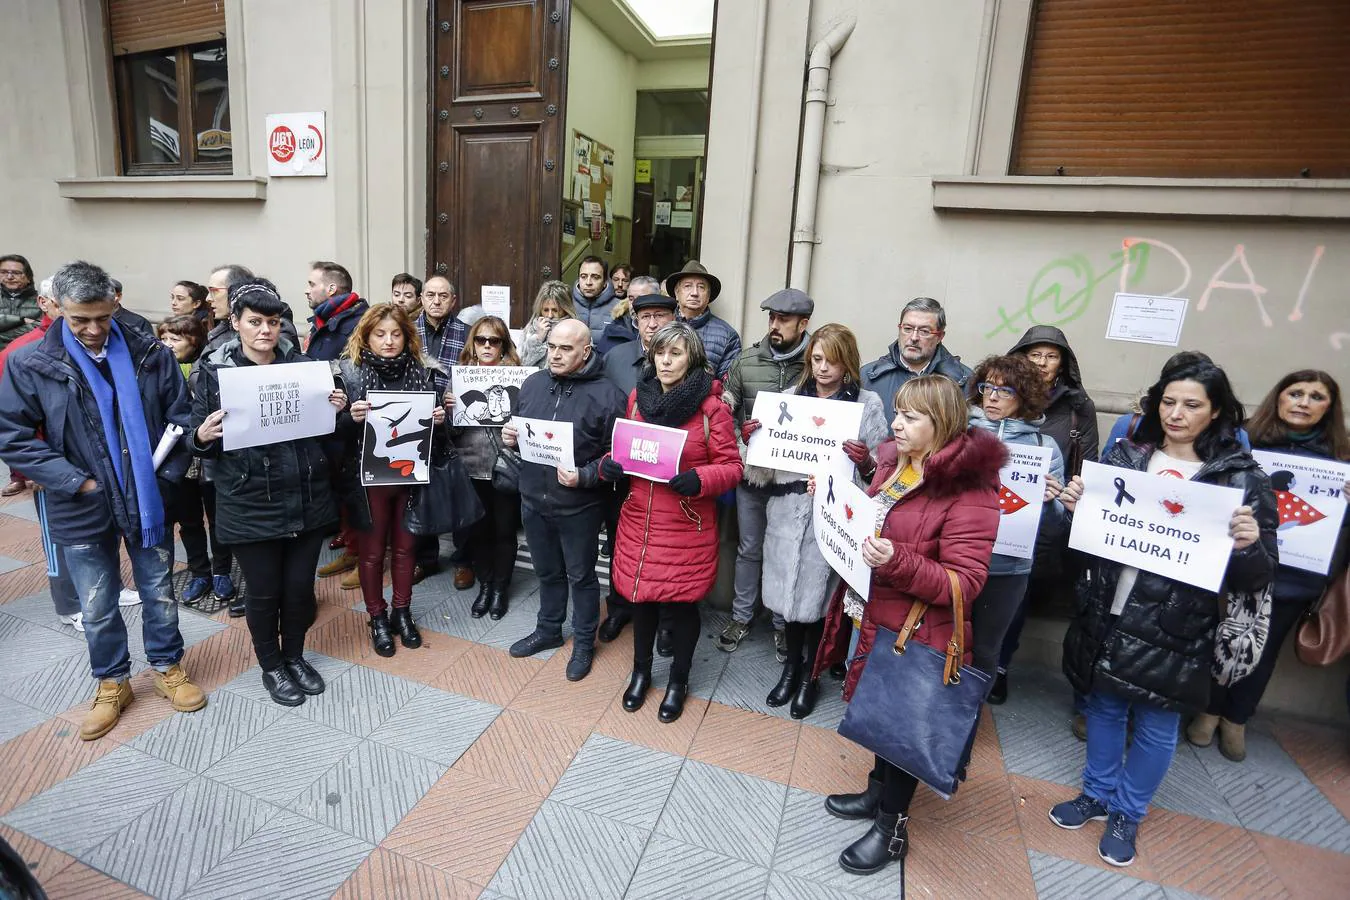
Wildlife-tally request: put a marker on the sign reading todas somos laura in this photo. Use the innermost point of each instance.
(843, 517)
(545, 442)
(396, 443)
(271, 404)
(802, 434)
(1309, 499)
(1156, 523)
(1021, 498)
(648, 451)
(486, 395)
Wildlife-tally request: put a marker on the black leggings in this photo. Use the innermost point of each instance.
(492, 541)
(190, 499)
(803, 638)
(991, 614)
(280, 595)
(682, 620)
(897, 787)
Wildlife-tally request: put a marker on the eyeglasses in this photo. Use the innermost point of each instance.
(1000, 391)
(212, 289)
(485, 341)
(1044, 356)
(11, 273)
(921, 332)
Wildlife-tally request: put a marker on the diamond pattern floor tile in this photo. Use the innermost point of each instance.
(43, 756)
(747, 742)
(1062, 879)
(27, 648)
(1033, 729)
(248, 684)
(524, 752)
(790, 887)
(750, 673)
(369, 791)
(436, 725)
(567, 853)
(16, 718)
(359, 700)
(724, 811)
(200, 740)
(697, 872)
(283, 760)
(1291, 808)
(451, 616)
(388, 876)
(1189, 788)
(809, 841)
(618, 781)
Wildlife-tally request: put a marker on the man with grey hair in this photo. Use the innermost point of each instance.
(81, 414)
(623, 329)
(918, 351)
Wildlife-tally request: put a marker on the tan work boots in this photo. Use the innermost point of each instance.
(114, 696)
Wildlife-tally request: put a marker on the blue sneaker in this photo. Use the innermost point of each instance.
(224, 587)
(1074, 814)
(196, 589)
(1117, 846)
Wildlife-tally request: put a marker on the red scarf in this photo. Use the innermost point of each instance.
(321, 318)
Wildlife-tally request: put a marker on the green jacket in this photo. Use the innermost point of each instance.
(14, 310)
(756, 370)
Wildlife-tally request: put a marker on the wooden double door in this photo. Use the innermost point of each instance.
(498, 104)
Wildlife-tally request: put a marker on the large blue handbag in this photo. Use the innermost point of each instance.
(917, 708)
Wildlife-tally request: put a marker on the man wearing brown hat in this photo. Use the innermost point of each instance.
(772, 364)
(694, 289)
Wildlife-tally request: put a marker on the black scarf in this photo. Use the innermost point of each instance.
(400, 373)
(848, 391)
(676, 406)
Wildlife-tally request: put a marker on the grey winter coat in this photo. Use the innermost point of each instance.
(797, 581)
(595, 313)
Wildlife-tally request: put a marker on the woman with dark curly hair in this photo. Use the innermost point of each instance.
(1008, 398)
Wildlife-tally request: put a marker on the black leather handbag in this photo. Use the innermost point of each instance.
(917, 708)
(447, 503)
(505, 469)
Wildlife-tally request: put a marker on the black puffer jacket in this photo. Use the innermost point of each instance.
(591, 402)
(1071, 417)
(1160, 648)
(262, 493)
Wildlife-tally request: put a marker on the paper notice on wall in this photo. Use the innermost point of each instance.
(681, 219)
(1021, 496)
(1147, 320)
(609, 207)
(844, 516)
(642, 171)
(579, 191)
(496, 299)
(662, 213)
(545, 442)
(275, 403)
(1311, 505)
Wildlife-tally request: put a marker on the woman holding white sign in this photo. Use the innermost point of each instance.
(384, 353)
(492, 542)
(666, 554)
(1143, 643)
(936, 484)
(274, 502)
(1302, 416)
(797, 579)
(1008, 398)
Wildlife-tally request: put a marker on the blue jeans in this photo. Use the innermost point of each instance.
(564, 550)
(1125, 783)
(96, 571)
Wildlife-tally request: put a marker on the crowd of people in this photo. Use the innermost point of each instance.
(88, 390)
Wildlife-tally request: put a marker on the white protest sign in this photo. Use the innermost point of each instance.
(1311, 506)
(802, 434)
(496, 299)
(843, 517)
(545, 442)
(486, 395)
(1147, 320)
(274, 403)
(396, 440)
(1156, 523)
(1021, 498)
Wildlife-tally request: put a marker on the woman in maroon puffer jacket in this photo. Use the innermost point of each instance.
(666, 553)
(937, 483)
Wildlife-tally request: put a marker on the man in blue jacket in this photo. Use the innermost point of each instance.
(337, 309)
(562, 509)
(918, 351)
(81, 413)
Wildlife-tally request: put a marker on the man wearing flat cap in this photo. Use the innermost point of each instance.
(772, 364)
(694, 289)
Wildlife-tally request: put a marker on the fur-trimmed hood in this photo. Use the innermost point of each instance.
(970, 461)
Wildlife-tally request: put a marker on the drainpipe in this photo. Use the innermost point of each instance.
(813, 141)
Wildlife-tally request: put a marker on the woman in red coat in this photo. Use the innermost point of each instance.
(665, 558)
(937, 485)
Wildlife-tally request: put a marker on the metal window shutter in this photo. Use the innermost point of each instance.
(135, 26)
(1201, 89)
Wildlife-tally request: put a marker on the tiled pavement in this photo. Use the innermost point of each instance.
(455, 771)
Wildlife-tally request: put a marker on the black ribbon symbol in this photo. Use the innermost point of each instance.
(1122, 494)
(783, 414)
(829, 496)
(530, 432)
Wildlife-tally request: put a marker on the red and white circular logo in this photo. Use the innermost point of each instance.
(281, 144)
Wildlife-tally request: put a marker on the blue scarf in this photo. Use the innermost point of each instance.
(126, 391)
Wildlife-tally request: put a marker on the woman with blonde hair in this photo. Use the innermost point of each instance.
(552, 304)
(936, 484)
(383, 353)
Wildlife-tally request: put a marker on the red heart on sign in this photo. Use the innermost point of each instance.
(1173, 507)
(549, 435)
(848, 512)
(818, 420)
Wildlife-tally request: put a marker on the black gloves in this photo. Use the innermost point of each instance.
(610, 470)
(686, 484)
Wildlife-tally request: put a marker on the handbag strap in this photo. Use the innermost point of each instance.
(951, 673)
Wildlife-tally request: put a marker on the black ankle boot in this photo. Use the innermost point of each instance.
(638, 685)
(856, 806)
(499, 604)
(787, 684)
(402, 622)
(282, 687)
(482, 602)
(380, 636)
(998, 691)
(886, 840)
(673, 704)
(804, 701)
